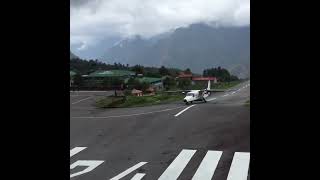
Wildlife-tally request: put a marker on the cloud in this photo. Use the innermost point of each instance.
(92, 20)
(82, 46)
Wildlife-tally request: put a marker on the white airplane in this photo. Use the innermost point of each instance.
(198, 95)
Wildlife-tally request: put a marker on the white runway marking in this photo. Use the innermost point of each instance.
(212, 99)
(239, 166)
(138, 176)
(81, 100)
(77, 95)
(177, 166)
(126, 115)
(184, 110)
(91, 165)
(76, 150)
(225, 95)
(128, 171)
(208, 166)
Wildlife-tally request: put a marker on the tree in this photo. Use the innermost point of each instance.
(134, 83)
(187, 71)
(163, 71)
(144, 86)
(168, 82)
(131, 83)
(77, 80)
(222, 74)
(138, 69)
(113, 83)
(234, 78)
(85, 67)
(117, 83)
(184, 83)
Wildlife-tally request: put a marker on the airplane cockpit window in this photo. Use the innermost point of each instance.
(190, 94)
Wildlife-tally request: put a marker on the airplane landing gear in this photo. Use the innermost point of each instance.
(204, 100)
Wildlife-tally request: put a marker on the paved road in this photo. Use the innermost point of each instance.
(173, 141)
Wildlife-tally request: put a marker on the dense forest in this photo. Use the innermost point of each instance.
(83, 67)
(220, 73)
(88, 66)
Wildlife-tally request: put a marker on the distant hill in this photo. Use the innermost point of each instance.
(72, 56)
(94, 51)
(197, 47)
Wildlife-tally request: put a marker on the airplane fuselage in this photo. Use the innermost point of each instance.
(197, 95)
(194, 95)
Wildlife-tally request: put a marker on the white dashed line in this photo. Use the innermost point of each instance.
(212, 99)
(91, 165)
(177, 166)
(76, 150)
(138, 176)
(238, 169)
(239, 166)
(208, 166)
(184, 110)
(126, 115)
(128, 171)
(81, 100)
(77, 95)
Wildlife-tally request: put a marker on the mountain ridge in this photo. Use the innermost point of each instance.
(73, 56)
(197, 47)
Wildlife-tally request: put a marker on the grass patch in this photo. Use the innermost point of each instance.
(110, 101)
(137, 101)
(247, 103)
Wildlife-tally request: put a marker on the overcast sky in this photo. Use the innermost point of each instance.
(93, 20)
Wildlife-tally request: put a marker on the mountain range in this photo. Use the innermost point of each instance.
(73, 56)
(197, 47)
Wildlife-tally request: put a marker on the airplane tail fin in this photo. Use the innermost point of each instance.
(209, 85)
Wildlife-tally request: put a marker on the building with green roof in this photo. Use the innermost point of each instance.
(111, 73)
(155, 83)
(97, 78)
(72, 73)
(150, 80)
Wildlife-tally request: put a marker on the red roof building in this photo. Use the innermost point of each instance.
(190, 76)
(184, 75)
(214, 79)
(136, 92)
(204, 78)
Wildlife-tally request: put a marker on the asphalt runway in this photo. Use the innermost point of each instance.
(201, 141)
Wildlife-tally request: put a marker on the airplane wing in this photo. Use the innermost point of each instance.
(178, 91)
(216, 90)
(201, 91)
